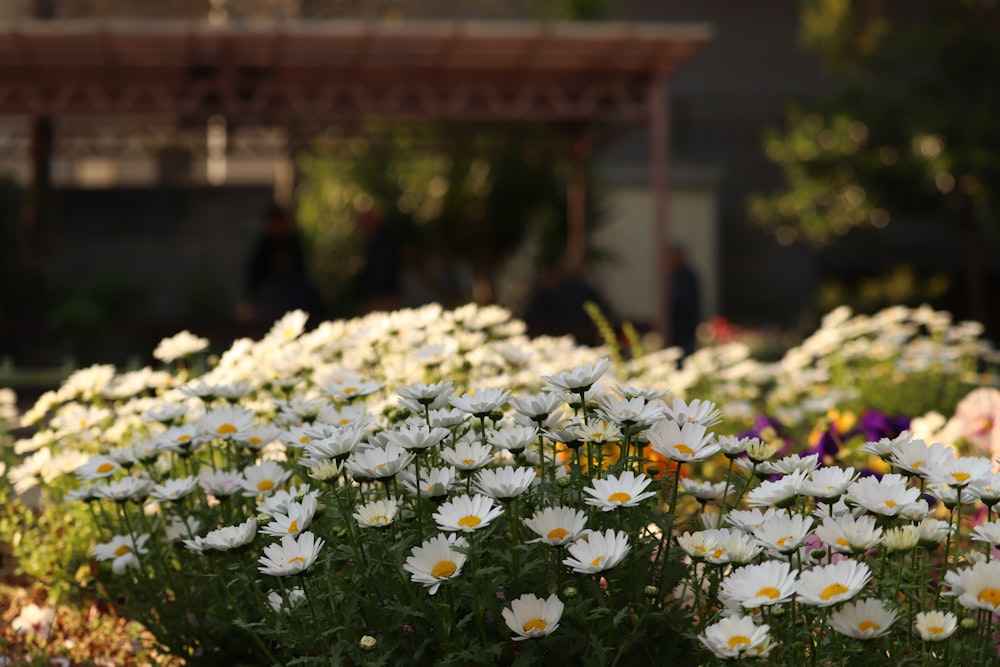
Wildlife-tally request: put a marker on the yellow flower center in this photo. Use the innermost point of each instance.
(381, 519)
(935, 630)
(468, 462)
(350, 390)
(596, 562)
(535, 624)
(843, 543)
(916, 466)
(304, 439)
(470, 521)
(297, 559)
(226, 429)
(990, 596)
(254, 440)
(865, 626)
(619, 497)
(684, 449)
(769, 592)
(890, 503)
(960, 477)
(557, 533)
(293, 527)
(833, 590)
(738, 640)
(718, 553)
(122, 550)
(443, 569)
(183, 438)
(783, 541)
(265, 485)
(105, 468)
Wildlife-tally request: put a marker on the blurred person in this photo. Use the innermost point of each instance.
(376, 286)
(556, 305)
(685, 300)
(277, 278)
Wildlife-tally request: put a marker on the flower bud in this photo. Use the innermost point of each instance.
(368, 643)
(570, 592)
(651, 591)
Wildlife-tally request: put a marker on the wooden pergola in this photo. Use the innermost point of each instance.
(575, 74)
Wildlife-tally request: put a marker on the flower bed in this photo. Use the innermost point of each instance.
(431, 487)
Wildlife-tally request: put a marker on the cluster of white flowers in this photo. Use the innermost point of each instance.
(459, 411)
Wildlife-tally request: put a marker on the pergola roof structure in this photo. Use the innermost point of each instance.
(340, 69)
(568, 73)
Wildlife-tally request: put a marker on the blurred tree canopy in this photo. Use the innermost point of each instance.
(911, 130)
(459, 200)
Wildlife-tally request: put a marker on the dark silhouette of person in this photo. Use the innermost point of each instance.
(685, 300)
(556, 305)
(376, 286)
(277, 278)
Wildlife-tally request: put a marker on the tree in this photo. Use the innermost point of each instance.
(910, 132)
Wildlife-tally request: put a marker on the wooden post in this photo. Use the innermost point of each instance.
(576, 198)
(659, 184)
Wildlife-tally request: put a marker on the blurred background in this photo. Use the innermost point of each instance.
(819, 152)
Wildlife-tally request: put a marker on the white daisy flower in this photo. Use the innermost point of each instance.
(761, 585)
(436, 560)
(260, 435)
(682, 443)
(961, 472)
(850, 534)
(697, 411)
(337, 443)
(790, 464)
(293, 555)
(434, 482)
(828, 482)
(512, 438)
(282, 605)
(977, 587)
(174, 489)
(480, 402)
(230, 422)
(377, 513)
(178, 346)
(536, 407)
(988, 532)
(933, 532)
(416, 436)
(530, 616)
(596, 552)
(863, 619)
(121, 551)
(778, 492)
(736, 637)
(887, 496)
(294, 520)
(181, 439)
(263, 478)
(705, 492)
(915, 456)
(504, 483)
(231, 537)
(467, 513)
(784, 533)
(279, 501)
(378, 462)
(579, 378)
(467, 456)
(699, 544)
(220, 483)
(628, 490)
(900, 538)
(98, 467)
(826, 585)
(126, 488)
(630, 412)
(434, 396)
(935, 626)
(557, 526)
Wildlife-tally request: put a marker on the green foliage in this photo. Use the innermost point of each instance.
(911, 129)
(453, 195)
